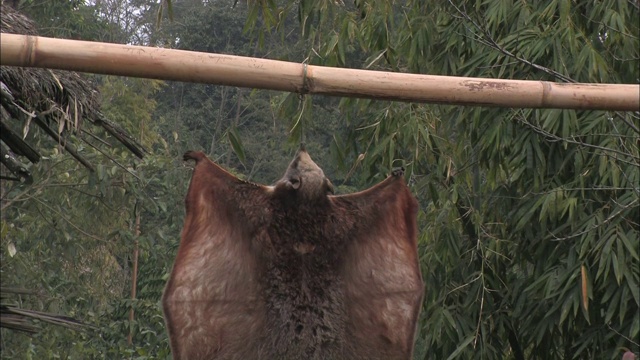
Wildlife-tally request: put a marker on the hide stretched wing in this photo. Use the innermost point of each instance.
(384, 287)
(221, 300)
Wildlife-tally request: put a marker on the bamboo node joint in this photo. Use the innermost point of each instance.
(305, 82)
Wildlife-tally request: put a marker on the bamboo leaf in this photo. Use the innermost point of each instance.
(564, 7)
(635, 327)
(461, 347)
(331, 45)
(624, 302)
(585, 292)
(12, 249)
(616, 268)
(236, 144)
(628, 245)
(170, 9)
(447, 315)
(341, 52)
(566, 309)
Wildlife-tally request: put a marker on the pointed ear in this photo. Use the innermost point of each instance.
(294, 183)
(330, 188)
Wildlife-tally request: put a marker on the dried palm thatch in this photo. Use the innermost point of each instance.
(15, 318)
(57, 102)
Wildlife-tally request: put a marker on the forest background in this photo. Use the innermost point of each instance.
(529, 230)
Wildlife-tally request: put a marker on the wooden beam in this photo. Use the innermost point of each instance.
(179, 65)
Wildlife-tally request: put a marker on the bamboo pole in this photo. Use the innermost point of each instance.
(134, 274)
(168, 64)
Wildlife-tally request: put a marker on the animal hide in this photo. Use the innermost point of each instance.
(291, 271)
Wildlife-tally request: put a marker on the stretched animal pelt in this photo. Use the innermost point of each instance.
(291, 271)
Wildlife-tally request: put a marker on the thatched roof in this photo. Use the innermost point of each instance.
(57, 102)
(15, 318)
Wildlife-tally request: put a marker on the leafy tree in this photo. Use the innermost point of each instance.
(529, 217)
(529, 241)
(70, 236)
(73, 234)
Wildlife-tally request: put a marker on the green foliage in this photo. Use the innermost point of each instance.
(73, 233)
(238, 128)
(130, 103)
(74, 238)
(529, 217)
(72, 19)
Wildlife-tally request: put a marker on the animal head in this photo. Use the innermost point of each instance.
(305, 178)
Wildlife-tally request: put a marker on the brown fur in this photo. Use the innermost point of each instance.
(291, 272)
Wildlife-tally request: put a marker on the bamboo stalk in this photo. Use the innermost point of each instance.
(134, 275)
(168, 64)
